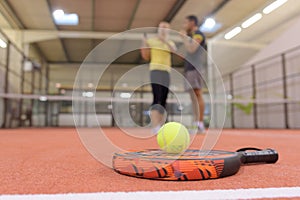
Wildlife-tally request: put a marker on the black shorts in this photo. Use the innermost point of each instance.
(160, 82)
(193, 80)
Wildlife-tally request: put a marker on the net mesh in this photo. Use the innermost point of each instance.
(56, 110)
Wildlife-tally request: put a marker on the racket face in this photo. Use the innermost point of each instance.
(191, 165)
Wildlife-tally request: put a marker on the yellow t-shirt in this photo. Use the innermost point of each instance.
(160, 54)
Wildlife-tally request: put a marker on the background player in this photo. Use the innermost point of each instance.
(193, 44)
(158, 51)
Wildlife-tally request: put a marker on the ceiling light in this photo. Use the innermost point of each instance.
(61, 18)
(233, 33)
(125, 95)
(274, 6)
(209, 23)
(43, 98)
(3, 44)
(88, 94)
(252, 20)
(210, 26)
(58, 13)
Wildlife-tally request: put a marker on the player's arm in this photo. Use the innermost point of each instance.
(172, 46)
(192, 44)
(145, 49)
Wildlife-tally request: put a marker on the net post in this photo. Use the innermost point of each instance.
(142, 105)
(32, 84)
(212, 81)
(40, 88)
(22, 89)
(47, 92)
(85, 112)
(254, 96)
(285, 95)
(112, 95)
(6, 84)
(232, 94)
(40, 79)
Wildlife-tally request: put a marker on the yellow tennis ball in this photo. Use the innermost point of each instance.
(173, 137)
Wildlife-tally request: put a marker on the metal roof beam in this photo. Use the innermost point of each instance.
(133, 14)
(172, 13)
(61, 41)
(31, 36)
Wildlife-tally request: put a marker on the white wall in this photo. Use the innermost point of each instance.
(293, 66)
(230, 55)
(272, 115)
(288, 40)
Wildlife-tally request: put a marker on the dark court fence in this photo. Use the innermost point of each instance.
(265, 94)
(20, 75)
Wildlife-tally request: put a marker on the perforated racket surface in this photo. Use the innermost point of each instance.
(191, 165)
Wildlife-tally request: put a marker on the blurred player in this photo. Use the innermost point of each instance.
(158, 50)
(193, 40)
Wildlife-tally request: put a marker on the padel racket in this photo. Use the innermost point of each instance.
(191, 165)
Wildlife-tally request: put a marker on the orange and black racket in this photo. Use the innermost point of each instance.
(191, 165)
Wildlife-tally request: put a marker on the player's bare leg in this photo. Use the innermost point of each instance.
(157, 120)
(198, 105)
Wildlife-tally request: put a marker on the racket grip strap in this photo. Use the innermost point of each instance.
(261, 156)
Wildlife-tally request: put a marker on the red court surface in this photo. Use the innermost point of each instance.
(54, 161)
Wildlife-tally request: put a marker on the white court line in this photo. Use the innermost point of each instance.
(255, 133)
(283, 192)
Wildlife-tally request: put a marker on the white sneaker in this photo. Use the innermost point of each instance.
(201, 127)
(155, 129)
(197, 127)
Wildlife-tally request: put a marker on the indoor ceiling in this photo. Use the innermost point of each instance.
(272, 25)
(118, 16)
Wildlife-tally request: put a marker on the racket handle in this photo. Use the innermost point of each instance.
(261, 156)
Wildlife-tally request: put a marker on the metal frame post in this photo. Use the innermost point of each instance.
(22, 89)
(6, 82)
(254, 96)
(47, 92)
(285, 95)
(232, 94)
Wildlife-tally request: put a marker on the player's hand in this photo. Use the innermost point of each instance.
(183, 34)
(163, 40)
(144, 41)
